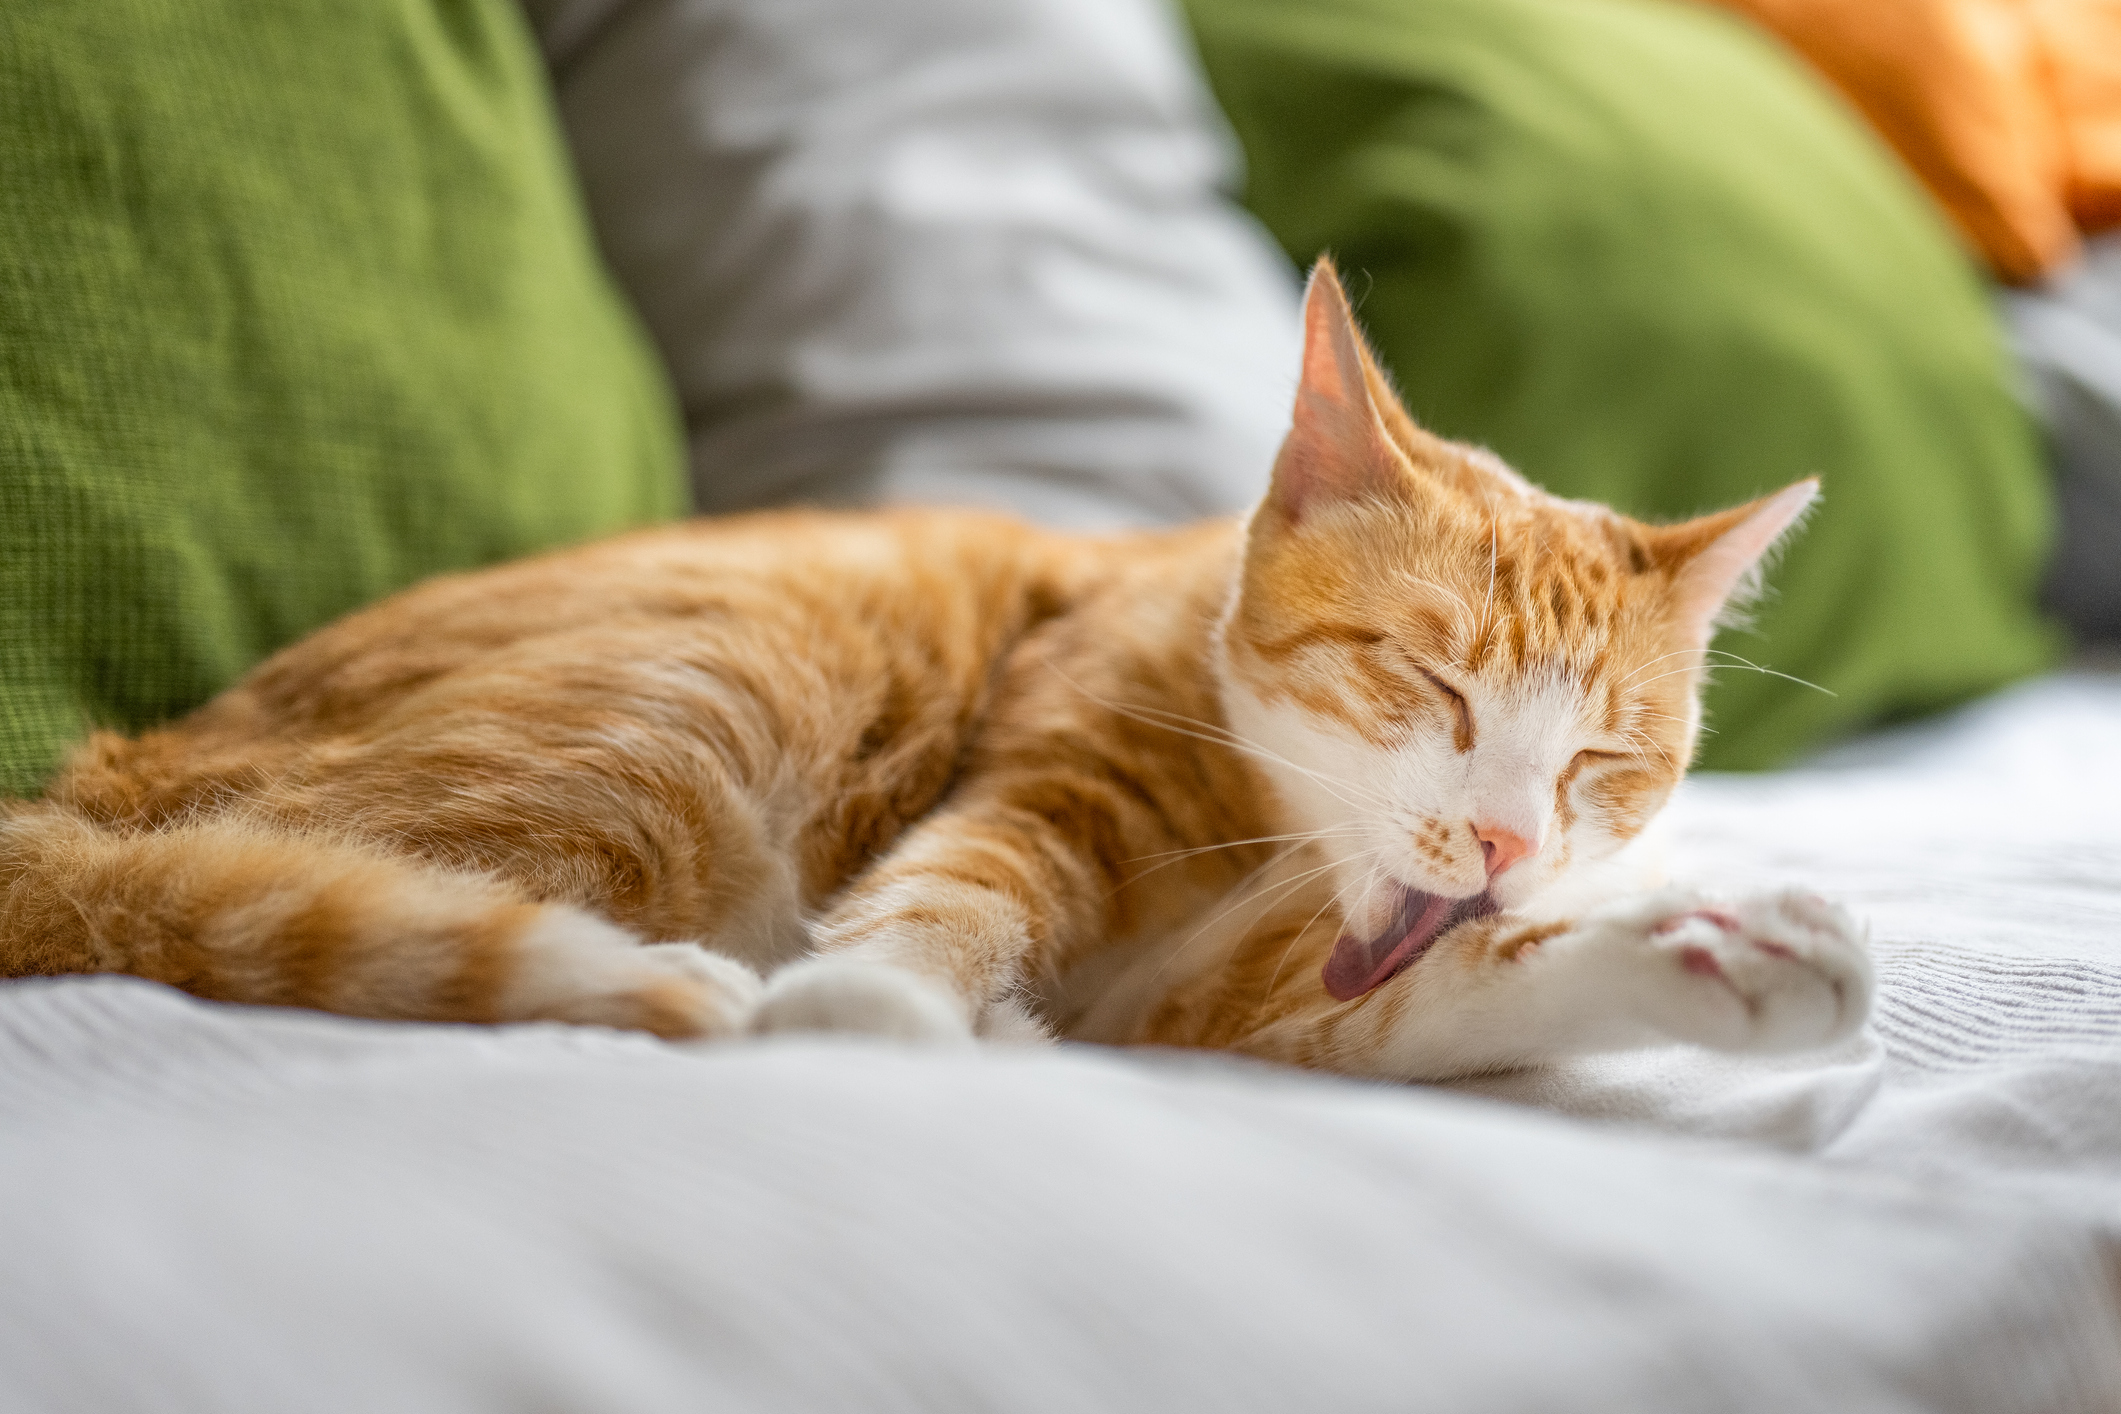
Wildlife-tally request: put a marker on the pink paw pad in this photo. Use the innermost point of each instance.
(1781, 950)
(1710, 915)
(1701, 962)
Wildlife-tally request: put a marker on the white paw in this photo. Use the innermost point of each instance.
(736, 989)
(1775, 972)
(863, 999)
(571, 966)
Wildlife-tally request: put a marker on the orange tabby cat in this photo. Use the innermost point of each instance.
(1313, 787)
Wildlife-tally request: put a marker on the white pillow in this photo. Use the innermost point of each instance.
(934, 250)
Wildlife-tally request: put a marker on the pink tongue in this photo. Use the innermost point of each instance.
(1357, 965)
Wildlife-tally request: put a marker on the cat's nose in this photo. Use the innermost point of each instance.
(1502, 848)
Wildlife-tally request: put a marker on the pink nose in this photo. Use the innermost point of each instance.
(1502, 847)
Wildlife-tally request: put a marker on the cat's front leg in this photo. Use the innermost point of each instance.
(931, 944)
(901, 969)
(1770, 973)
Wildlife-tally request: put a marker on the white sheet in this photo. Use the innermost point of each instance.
(209, 1208)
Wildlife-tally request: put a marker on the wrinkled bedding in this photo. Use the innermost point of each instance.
(215, 1208)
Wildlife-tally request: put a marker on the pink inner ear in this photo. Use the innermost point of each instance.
(1337, 448)
(1723, 566)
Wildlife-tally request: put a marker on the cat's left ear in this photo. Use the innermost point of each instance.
(1715, 561)
(1338, 448)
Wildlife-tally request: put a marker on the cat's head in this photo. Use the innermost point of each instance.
(1465, 684)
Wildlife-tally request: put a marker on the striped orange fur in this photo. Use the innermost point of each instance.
(927, 771)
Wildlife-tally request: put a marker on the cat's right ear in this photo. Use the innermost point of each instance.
(1715, 562)
(1338, 448)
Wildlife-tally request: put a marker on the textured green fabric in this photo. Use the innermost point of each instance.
(1637, 250)
(297, 305)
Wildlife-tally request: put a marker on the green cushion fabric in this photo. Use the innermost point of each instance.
(297, 305)
(1640, 252)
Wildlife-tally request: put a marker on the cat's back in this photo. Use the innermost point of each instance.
(826, 622)
(927, 576)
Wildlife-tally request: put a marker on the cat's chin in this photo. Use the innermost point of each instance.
(1360, 965)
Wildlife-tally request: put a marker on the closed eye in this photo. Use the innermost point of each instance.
(1591, 757)
(1459, 706)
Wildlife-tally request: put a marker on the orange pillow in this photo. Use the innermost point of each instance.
(2008, 110)
(2082, 39)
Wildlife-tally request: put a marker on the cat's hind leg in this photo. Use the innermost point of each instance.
(243, 912)
(1775, 972)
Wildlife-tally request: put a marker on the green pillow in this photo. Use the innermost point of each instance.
(297, 305)
(1638, 251)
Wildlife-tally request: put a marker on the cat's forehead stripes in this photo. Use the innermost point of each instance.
(1552, 589)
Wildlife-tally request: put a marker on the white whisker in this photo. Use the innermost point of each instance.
(1377, 866)
(1238, 902)
(1640, 740)
(1752, 666)
(1487, 613)
(1180, 856)
(1149, 716)
(1741, 664)
(1465, 610)
(1283, 960)
(1655, 661)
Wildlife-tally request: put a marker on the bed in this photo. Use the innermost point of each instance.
(216, 1208)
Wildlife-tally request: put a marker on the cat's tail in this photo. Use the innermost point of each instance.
(244, 912)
